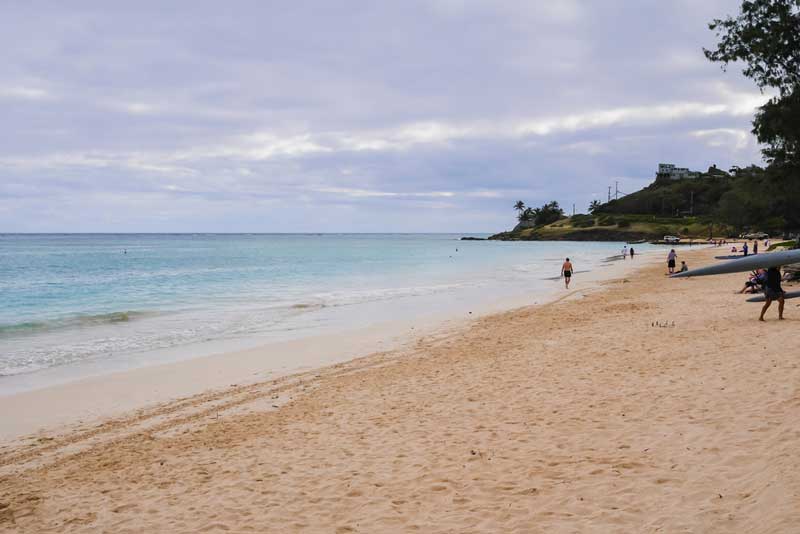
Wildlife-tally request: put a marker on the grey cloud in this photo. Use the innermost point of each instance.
(194, 116)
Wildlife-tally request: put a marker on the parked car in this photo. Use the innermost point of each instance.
(755, 235)
(671, 239)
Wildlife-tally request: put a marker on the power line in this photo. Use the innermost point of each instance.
(617, 192)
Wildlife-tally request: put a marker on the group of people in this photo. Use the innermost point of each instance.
(767, 279)
(672, 258)
(745, 250)
(755, 282)
(567, 270)
(626, 251)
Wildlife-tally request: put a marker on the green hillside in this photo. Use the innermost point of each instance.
(714, 203)
(674, 198)
(749, 199)
(615, 227)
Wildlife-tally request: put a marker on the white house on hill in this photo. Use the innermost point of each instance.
(671, 172)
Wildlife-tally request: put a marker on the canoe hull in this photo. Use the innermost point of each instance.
(745, 264)
(788, 295)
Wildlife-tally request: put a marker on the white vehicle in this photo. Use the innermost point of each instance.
(756, 235)
(671, 239)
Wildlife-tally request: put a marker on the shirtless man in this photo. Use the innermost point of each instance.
(566, 272)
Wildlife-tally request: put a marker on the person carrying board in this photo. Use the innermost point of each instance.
(773, 291)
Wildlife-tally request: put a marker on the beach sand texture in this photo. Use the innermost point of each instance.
(576, 416)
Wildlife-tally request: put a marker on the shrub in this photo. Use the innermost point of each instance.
(662, 230)
(774, 225)
(699, 229)
(624, 223)
(582, 221)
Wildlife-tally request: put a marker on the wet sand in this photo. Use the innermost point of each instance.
(652, 405)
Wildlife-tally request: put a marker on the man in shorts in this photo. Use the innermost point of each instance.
(773, 291)
(566, 272)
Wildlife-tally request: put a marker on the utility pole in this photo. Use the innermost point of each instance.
(609, 193)
(573, 209)
(616, 190)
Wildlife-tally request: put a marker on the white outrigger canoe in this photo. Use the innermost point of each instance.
(745, 264)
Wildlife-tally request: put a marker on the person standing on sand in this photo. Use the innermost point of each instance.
(744, 248)
(671, 257)
(566, 272)
(755, 246)
(773, 291)
(631, 252)
(624, 251)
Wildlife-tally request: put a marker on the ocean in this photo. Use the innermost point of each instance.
(75, 298)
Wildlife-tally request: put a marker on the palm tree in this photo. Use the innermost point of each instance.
(595, 204)
(519, 206)
(526, 214)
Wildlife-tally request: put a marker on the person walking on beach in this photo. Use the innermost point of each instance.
(773, 291)
(624, 251)
(631, 252)
(744, 248)
(671, 257)
(566, 272)
(755, 246)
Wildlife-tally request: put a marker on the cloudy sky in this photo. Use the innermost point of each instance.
(342, 116)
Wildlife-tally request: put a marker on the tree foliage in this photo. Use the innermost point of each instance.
(548, 213)
(765, 36)
(754, 198)
(669, 198)
(777, 124)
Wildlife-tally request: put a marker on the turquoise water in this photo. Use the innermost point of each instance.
(68, 299)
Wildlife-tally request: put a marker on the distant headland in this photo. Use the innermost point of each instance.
(679, 202)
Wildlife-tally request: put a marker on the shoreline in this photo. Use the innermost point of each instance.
(581, 414)
(369, 281)
(83, 400)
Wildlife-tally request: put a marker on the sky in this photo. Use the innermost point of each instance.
(352, 116)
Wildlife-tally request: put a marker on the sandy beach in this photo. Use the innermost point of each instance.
(644, 405)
